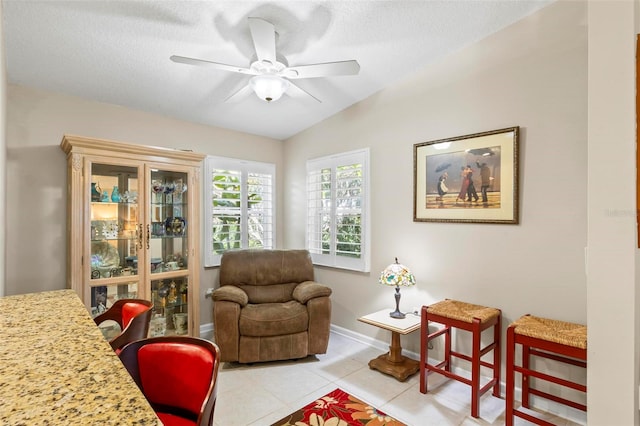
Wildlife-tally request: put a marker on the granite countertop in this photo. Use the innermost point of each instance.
(56, 368)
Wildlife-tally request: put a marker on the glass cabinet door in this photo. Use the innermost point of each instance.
(115, 234)
(168, 251)
(168, 248)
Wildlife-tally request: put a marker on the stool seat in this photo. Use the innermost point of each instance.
(552, 339)
(454, 314)
(564, 333)
(462, 311)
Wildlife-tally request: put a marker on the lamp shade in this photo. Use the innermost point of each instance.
(397, 275)
(269, 87)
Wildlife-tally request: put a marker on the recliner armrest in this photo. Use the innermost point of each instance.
(308, 290)
(230, 293)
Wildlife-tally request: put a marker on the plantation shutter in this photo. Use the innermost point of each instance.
(240, 206)
(337, 205)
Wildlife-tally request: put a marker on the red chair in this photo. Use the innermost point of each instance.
(133, 316)
(177, 375)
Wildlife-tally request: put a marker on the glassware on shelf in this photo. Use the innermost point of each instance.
(180, 320)
(157, 187)
(180, 187)
(175, 226)
(156, 266)
(157, 229)
(158, 325)
(169, 187)
(130, 197)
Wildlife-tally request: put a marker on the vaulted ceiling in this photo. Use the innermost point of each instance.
(118, 51)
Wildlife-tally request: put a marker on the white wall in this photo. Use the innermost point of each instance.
(3, 159)
(533, 75)
(612, 283)
(36, 194)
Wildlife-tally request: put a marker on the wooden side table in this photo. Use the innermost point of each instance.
(393, 362)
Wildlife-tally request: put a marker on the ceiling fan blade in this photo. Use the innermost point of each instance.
(216, 65)
(240, 94)
(323, 70)
(263, 34)
(298, 93)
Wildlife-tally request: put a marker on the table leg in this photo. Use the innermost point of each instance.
(393, 362)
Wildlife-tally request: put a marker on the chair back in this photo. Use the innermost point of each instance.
(130, 310)
(267, 276)
(133, 317)
(178, 376)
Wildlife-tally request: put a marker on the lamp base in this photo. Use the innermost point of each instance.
(396, 314)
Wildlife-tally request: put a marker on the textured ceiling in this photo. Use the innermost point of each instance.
(118, 51)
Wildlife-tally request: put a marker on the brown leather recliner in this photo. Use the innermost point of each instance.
(268, 307)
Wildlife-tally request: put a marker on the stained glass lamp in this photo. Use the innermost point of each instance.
(397, 275)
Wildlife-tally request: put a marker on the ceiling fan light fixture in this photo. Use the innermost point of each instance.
(269, 87)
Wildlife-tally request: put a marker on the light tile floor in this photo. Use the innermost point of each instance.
(262, 393)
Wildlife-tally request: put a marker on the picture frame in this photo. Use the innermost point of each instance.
(482, 168)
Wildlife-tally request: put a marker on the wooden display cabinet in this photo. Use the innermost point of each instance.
(133, 229)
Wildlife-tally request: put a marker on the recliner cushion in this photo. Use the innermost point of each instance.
(273, 319)
(274, 293)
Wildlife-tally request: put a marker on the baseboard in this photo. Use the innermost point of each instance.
(378, 344)
(577, 416)
(206, 331)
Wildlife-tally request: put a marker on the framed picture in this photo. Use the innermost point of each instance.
(471, 178)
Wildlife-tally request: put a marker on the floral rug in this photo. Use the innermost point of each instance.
(338, 408)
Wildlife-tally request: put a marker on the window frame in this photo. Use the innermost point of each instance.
(245, 167)
(332, 259)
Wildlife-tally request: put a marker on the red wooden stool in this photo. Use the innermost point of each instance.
(472, 318)
(557, 340)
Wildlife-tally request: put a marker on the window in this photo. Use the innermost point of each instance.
(239, 206)
(338, 210)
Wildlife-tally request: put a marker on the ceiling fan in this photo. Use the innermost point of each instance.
(271, 73)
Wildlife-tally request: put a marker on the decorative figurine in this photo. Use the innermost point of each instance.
(115, 194)
(95, 191)
(173, 295)
(105, 197)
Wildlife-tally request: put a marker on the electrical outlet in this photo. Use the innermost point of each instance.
(209, 292)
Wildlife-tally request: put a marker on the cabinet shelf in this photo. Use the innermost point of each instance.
(166, 237)
(127, 239)
(111, 203)
(167, 204)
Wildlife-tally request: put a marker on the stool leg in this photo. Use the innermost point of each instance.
(447, 347)
(510, 382)
(497, 330)
(424, 349)
(475, 369)
(526, 356)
